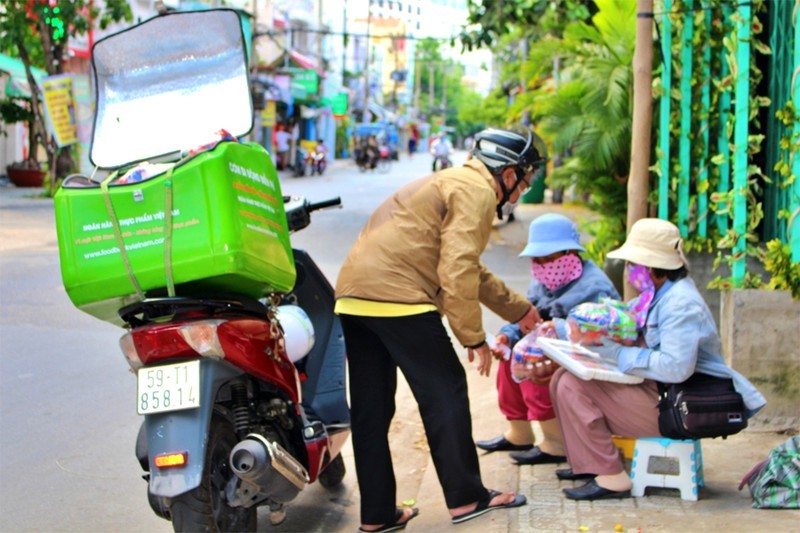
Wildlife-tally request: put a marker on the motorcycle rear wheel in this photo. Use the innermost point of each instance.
(204, 508)
(333, 473)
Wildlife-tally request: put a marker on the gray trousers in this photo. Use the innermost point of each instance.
(591, 412)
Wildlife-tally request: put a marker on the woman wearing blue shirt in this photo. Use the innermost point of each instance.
(679, 338)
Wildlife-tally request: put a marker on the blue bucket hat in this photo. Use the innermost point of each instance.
(549, 234)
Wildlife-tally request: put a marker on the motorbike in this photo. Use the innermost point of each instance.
(384, 159)
(318, 163)
(302, 158)
(367, 158)
(231, 423)
(441, 162)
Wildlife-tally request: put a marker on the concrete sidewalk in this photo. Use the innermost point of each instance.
(720, 507)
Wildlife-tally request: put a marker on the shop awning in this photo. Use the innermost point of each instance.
(17, 84)
(295, 60)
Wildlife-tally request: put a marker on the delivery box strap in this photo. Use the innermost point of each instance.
(118, 234)
(168, 233)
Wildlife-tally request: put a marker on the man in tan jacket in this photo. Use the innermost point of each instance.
(418, 258)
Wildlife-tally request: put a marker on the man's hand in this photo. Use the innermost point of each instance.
(501, 347)
(529, 322)
(484, 358)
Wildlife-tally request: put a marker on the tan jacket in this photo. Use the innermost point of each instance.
(423, 245)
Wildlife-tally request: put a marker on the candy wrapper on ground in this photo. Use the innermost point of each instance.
(527, 356)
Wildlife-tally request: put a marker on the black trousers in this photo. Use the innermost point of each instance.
(420, 347)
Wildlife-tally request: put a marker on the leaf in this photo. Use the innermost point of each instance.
(761, 47)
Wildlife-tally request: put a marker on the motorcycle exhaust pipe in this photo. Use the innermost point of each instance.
(266, 465)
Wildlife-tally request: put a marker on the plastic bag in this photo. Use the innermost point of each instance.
(527, 357)
(775, 482)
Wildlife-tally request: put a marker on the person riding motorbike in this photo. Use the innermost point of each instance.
(319, 158)
(441, 150)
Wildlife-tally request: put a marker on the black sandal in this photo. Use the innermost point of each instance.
(483, 506)
(396, 525)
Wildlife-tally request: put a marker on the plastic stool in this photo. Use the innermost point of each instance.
(690, 466)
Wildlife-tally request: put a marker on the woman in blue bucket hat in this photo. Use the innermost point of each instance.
(561, 280)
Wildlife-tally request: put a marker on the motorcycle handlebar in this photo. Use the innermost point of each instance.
(325, 203)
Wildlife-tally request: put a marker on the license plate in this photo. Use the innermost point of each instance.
(168, 388)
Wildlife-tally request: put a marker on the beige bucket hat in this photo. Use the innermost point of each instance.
(653, 243)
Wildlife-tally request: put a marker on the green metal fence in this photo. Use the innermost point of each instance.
(780, 194)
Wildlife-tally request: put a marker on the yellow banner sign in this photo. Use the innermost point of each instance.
(59, 106)
(268, 114)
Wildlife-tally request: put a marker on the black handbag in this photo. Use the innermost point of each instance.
(701, 407)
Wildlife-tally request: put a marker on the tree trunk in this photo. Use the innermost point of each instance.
(642, 119)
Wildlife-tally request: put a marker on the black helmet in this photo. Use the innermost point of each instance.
(498, 149)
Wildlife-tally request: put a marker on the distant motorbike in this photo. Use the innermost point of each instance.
(302, 158)
(367, 158)
(319, 162)
(384, 159)
(441, 162)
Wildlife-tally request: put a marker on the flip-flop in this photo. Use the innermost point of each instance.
(396, 525)
(484, 507)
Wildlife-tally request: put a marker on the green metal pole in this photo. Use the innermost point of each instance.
(740, 135)
(705, 104)
(684, 148)
(794, 203)
(723, 143)
(664, 110)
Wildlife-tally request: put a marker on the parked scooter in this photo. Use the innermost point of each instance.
(243, 396)
(302, 159)
(233, 420)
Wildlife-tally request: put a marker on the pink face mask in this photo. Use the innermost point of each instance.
(639, 277)
(558, 273)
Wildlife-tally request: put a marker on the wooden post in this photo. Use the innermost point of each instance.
(642, 118)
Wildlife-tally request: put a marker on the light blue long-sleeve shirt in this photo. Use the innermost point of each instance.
(682, 339)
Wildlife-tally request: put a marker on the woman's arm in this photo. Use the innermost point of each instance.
(675, 340)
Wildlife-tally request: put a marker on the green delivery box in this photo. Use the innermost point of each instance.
(228, 235)
(211, 224)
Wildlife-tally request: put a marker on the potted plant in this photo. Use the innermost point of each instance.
(26, 173)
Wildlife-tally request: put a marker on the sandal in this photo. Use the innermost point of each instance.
(396, 525)
(484, 507)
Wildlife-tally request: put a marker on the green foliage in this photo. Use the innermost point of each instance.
(607, 234)
(341, 143)
(587, 114)
(38, 33)
(490, 20)
(14, 110)
(785, 274)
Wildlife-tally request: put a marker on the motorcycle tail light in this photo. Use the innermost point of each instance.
(129, 351)
(202, 337)
(170, 460)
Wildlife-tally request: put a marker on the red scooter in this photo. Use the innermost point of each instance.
(230, 422)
